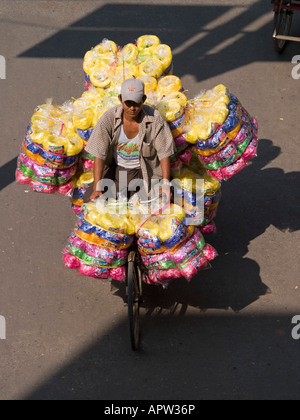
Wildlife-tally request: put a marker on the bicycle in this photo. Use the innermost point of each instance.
(283, 17)
(134, 286)
(134, 296)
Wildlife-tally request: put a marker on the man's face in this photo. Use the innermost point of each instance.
(132, 109)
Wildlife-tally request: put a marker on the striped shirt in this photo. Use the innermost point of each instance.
(156, 140)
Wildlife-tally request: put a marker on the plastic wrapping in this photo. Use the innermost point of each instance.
(171, 110)
(145, 42)
(164, 53)
(167, 85)
(208, 111)
(209, 228)
(151, 67)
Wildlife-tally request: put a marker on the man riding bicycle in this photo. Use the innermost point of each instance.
(135, 141)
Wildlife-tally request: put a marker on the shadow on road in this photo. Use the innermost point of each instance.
(184, 358)
(252, 201)
(7, 173)
(207, 41)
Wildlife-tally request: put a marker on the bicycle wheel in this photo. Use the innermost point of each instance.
(134, 287)
(282, 25)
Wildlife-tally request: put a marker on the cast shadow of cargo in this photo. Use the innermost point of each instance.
(7, 173)
(232, 283)
(252, 201)
(183, 358)
(207, 41)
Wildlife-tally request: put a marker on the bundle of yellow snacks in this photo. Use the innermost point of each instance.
(223, 133)
(200, 194)
(169, 247)
(98, 246)
(107, 65)
(50, 152)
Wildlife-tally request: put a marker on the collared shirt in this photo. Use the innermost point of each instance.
(156, 140)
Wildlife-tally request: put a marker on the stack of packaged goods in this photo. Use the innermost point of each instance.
(168, 247)
(200, 201)
(215, 138)
(98, 246)
(223, 133)
(81, 182)
(172, 103)
(50, 152)
(86, 111)
(107, 65)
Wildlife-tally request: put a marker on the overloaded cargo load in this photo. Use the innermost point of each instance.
(215, 138)
(50, 152)
(98, 246)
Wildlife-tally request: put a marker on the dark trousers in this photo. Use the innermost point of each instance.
(114, 173)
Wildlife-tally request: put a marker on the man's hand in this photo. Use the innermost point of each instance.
(95, 195)
(166, 190)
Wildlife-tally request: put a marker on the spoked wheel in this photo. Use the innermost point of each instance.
(282, 25)
(134, 290)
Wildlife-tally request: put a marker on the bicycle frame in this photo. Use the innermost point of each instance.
(280, 7)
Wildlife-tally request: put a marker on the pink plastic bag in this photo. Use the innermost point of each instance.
(65, 189)
(209, 228)
(235, 168)
(71, 261)
(95, 272)
(251, 151)
(42, 188)
(191, 268)
(209, 252)
(21, 178)
(118, 273)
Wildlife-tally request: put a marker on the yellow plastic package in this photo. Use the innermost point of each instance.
(108, 218)
(167, 85)
(83, 113)
(152, 66)
(187, 179)
(218, 97)
(58, 145)
(170, 109)
(99, 76)
(74, 146)
(90, 61)
(84, 180)
(208, 111)
(129, 53)
(146, 42)
(93, 94)
(164, 54)
(150, 84)
(106, 47)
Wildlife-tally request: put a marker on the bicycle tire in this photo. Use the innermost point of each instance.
(134, 300)
(283, 24)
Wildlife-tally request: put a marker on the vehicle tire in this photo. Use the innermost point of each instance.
(283, 22)
(134, 300)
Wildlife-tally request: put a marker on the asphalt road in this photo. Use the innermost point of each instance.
(227, 334)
